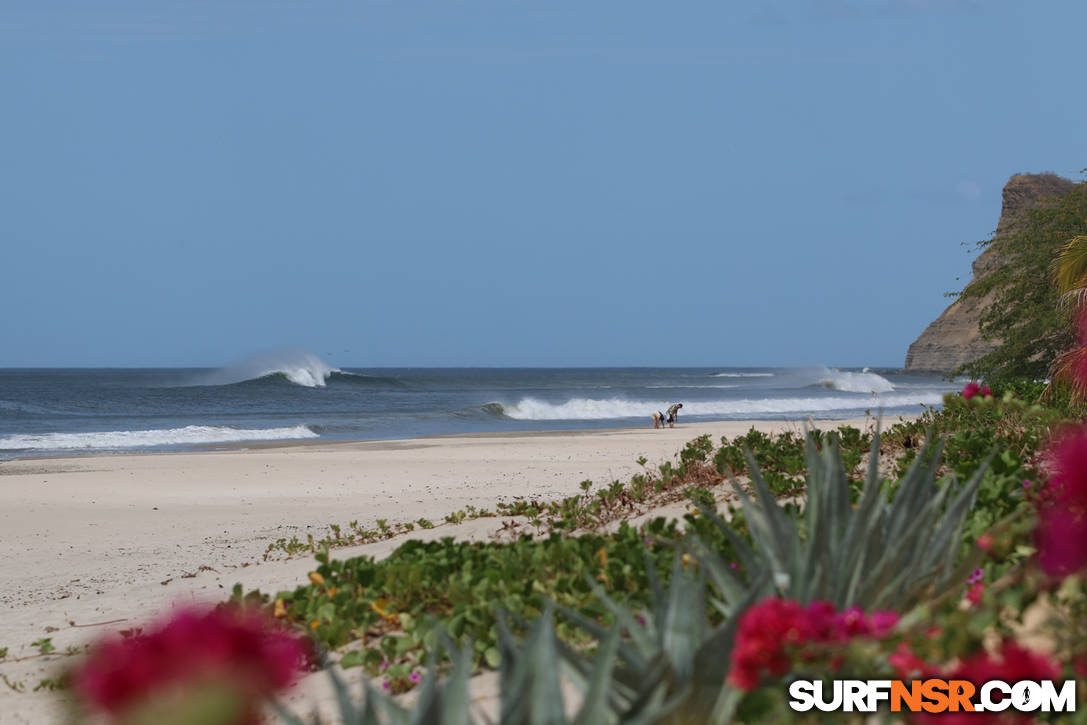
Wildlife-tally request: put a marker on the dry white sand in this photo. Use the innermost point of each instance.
(86, 540)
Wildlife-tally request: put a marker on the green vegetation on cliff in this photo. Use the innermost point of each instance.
(1024, 314)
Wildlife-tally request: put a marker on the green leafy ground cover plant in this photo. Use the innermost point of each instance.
(663, 659)
(390, 613)
(392, 606)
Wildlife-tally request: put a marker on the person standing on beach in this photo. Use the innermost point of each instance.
(673, 415)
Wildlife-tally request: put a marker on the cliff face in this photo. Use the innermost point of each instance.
(953, 338)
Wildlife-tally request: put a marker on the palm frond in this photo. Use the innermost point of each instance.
(1069, 267)
(1070, 369)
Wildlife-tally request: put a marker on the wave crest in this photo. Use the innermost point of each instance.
(847, 382)
(300, 367)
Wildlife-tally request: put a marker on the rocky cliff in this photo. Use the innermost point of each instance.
(953, 338)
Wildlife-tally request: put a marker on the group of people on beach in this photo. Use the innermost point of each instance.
(659, 418)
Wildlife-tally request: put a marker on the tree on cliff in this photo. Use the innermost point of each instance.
(1025, 316)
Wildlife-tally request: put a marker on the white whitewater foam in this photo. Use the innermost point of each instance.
(299, 366)
(117, 439)
(590, 409)
(862, 382)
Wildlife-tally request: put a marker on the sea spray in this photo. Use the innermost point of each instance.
(300, 367)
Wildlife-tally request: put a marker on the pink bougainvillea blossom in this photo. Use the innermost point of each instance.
(238, 652)
(971, 389)
(1061, 536)
(975, 593)
(1066, 459)
(1012, 663)
(775, 632)
(908, 665)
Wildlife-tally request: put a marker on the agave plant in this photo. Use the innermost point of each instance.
(670, 665)
(882, 553)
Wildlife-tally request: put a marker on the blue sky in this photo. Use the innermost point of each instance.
(513, 183)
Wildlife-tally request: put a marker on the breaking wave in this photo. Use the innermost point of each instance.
(611, 408)
(120, 439)
(847, 382)
(297, 366)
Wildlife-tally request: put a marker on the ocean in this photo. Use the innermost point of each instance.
(298, 396)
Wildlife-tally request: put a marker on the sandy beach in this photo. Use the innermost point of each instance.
(120, 538)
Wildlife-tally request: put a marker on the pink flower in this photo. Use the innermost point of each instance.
(1012, 664)
(775, 632)
(977, 576)
(985, 392)
(238, 650)
(976, 591)
(760, 638)
(1067, 461)
(1061, 538)
(882, 623)
(970, 390)
(416, 677)
(906, 664)
(985, 542)
(853, 622)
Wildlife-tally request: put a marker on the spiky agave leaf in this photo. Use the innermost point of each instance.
(879, 553)
(530, 690)
(671, 665)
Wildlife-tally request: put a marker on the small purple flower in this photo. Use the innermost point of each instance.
(1026, 483)
(416, 677)
(735, 565)
(641, 619)
(386, 686)
(977, 576)
(384, 665)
